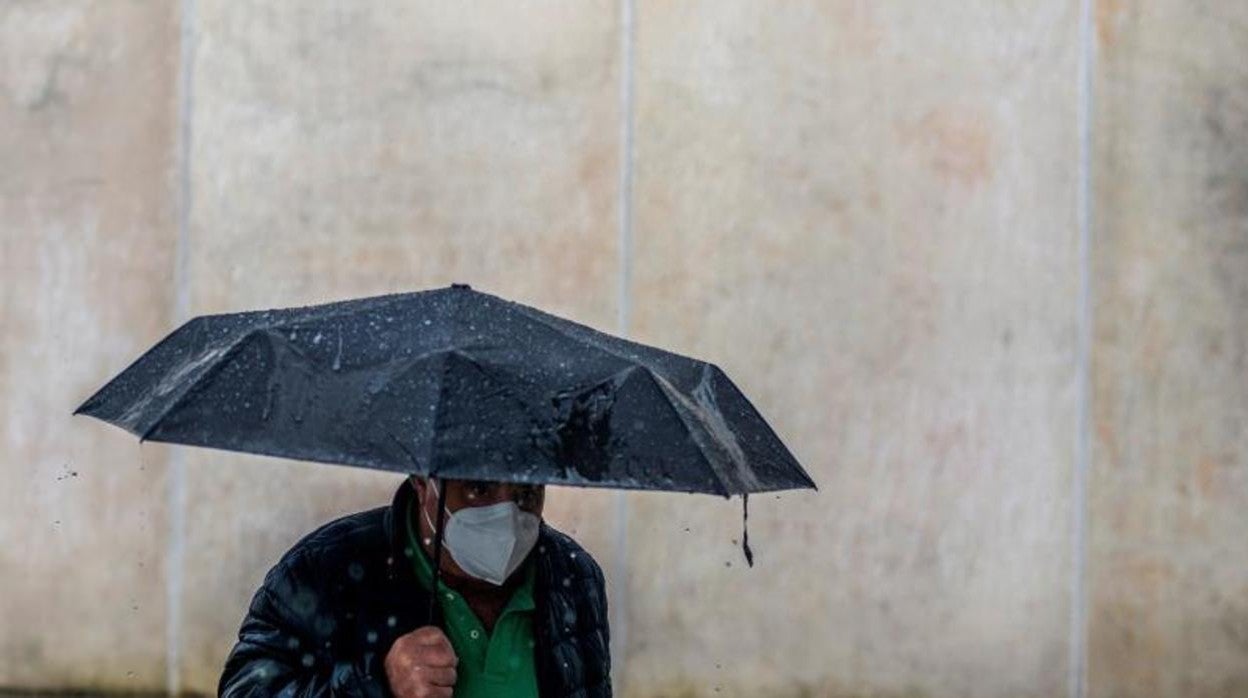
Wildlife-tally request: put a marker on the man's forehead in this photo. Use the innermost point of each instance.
(480, 483)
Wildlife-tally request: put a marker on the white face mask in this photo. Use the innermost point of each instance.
(489, 542)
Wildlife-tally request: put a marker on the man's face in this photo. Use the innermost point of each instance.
(479, 493)
(470, 493)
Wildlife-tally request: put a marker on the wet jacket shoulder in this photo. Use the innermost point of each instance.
(325, 615)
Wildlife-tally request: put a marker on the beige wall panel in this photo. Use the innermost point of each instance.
(87, 236)
(865, 213)
(1168, 563)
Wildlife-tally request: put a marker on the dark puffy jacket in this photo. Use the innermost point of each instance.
(328, 611)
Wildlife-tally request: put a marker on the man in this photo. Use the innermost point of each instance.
(345, 611)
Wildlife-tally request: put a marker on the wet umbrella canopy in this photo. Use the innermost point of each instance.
(450, 383)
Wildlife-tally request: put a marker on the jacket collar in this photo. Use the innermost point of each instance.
(396, 535)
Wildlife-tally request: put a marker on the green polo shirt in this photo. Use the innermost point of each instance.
(498, 664)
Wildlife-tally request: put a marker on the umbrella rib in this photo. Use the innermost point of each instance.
(445, 355)
(410, 456)
(415, 361)
(437, 411)
(151, 351)
(665, 389)
(212, 371)
(757, 415)
(349, 307)
(345, 312)
(589, 338)
(265, 327)
(502, 388)
(720, 430)
(501, 377)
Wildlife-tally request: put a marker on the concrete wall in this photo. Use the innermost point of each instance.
(88, 222)
(881, 204)
(1168, 497)
(983, 265)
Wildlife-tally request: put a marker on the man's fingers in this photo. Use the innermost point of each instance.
(433, 647)
(438, 656)
(439, 676)
(422, 663)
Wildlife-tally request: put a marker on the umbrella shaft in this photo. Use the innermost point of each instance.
(437, 555)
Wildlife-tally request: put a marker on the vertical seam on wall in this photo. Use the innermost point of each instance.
(176, 484)
(619, 623)
(1079, 544)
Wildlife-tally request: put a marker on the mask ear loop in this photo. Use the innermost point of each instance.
(434, 606)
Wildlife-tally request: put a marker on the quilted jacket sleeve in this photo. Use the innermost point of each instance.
(603, 688)
(285, 645)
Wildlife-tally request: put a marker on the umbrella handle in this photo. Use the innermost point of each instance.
(437, 557)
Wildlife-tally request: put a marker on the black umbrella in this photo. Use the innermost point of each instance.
(450, 383)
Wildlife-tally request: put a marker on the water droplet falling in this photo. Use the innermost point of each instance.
(338, 356)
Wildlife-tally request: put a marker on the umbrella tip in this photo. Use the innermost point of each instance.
(466, 286)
